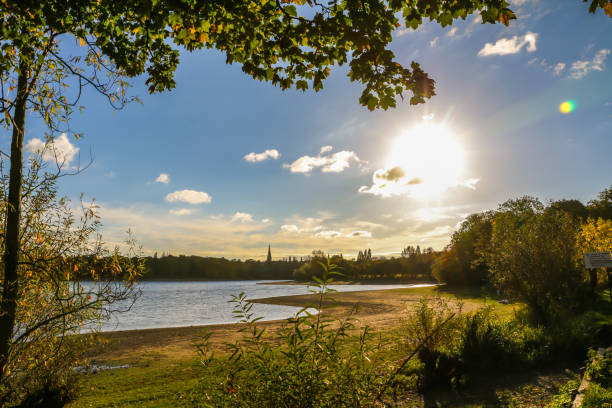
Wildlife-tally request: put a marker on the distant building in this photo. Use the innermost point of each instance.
(269, 258)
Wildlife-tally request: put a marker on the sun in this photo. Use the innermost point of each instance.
(430, 158)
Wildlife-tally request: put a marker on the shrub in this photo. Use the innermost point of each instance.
(597, 396)
(565, 396)
(432, 329)
(488, 343)
(319, 363)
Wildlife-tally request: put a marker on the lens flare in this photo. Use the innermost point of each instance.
(567, 107)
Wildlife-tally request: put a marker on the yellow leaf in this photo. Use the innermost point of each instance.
(608, 9)
(81, 42)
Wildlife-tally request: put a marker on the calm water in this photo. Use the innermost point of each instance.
(176, 304)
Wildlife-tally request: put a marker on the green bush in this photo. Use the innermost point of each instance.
(565, 396)
(319, 362)
(488, 343)
(597, 396)
(431, 330)
(600, 368)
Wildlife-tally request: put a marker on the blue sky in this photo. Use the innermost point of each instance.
(497, 108)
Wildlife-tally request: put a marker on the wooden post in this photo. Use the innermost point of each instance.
(609, 282)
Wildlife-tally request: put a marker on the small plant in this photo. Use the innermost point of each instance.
(565, 396)
(320, 362)
(432, 329)
(600, 368)
(488, 343)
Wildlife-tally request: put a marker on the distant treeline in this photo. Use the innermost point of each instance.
(208, 268)
(412, 266)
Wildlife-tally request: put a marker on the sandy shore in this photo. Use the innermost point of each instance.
(340, 282)
(376, 308)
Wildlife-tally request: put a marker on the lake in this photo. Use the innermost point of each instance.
(177, 304)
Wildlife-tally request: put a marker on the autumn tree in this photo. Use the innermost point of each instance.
(463, 261)
(67, 282)
(573, 207)
(532, 257)
(601, 207)
(594, 236)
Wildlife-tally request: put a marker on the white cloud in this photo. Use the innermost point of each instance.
(507, 46)
(334, 163)
(328, 234)
(163, 178)
(242, 217)
(265, 220)
(257, 157)
(434, 42)
(289, 228)
(331, 234)
(558, 69)
(58, 150)
(581, 68)
(452, 32)
(181, 211)
(188, 196)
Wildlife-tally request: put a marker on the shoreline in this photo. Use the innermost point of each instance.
(379, 309)
(356, 283)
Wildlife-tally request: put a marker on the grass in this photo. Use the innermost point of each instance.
(155, 385)
(472, 297)
(166, 382)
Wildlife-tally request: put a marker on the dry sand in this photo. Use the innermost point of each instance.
(377, 308)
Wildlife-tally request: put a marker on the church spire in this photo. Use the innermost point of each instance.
(269, 258)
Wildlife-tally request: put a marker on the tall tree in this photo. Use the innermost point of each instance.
(601, 207)
(532, 257)
(573, 207)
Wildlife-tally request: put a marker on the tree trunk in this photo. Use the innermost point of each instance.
(10, 292)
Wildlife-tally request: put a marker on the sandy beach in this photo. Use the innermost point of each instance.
(379, 309)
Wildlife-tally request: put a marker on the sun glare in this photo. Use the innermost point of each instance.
(430, 158)
(567, 107)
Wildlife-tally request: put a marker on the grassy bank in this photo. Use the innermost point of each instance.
(164, 365)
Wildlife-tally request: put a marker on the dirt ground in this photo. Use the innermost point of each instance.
(378, 308)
